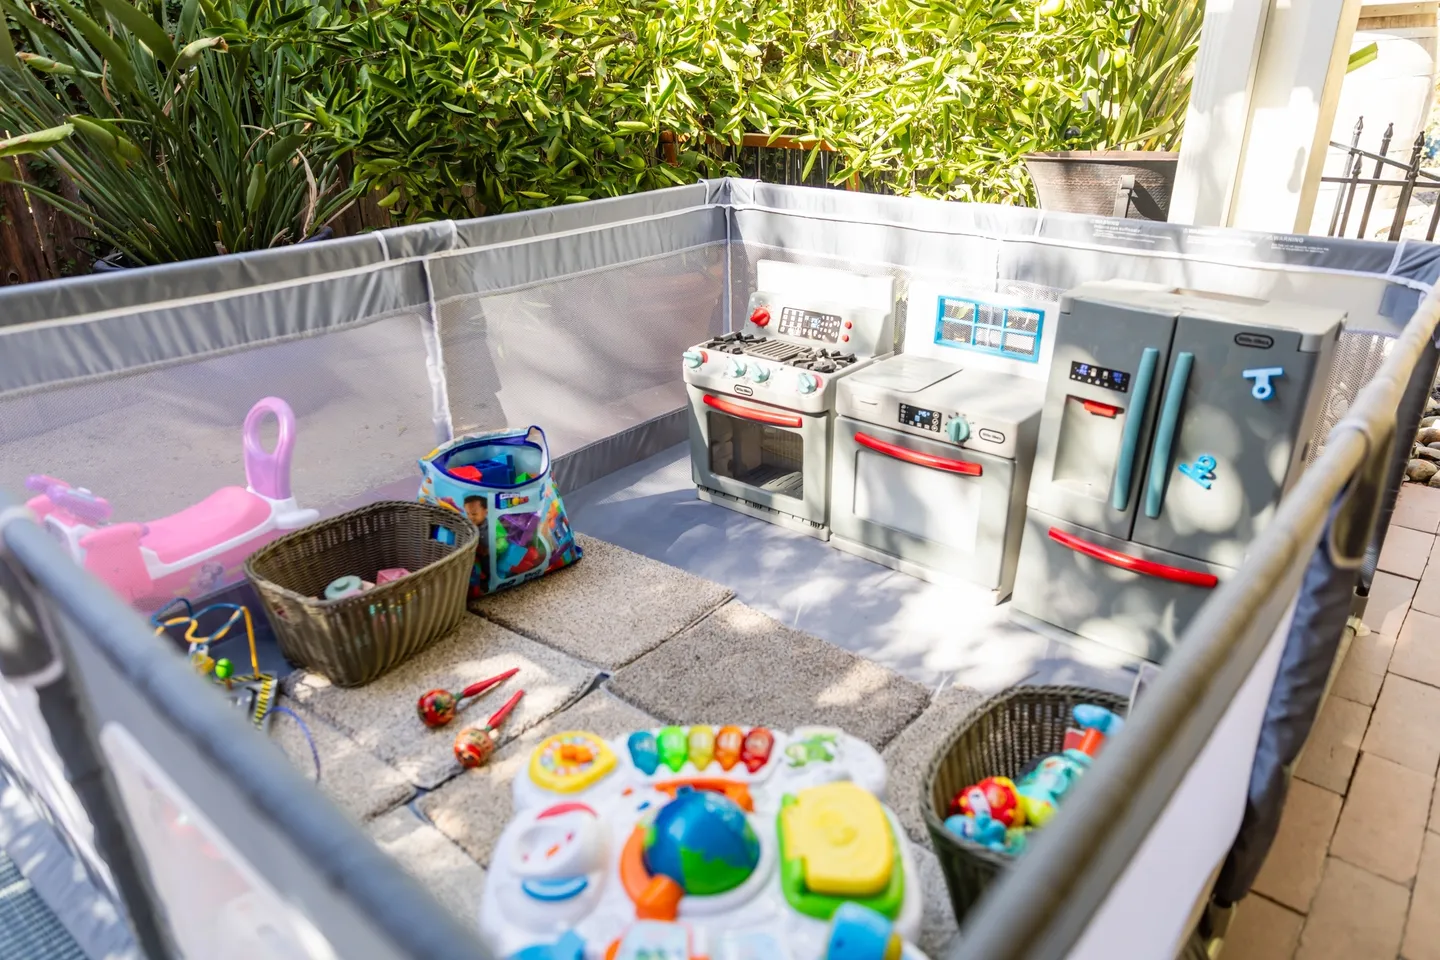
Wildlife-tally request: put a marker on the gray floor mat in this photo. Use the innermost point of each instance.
(579, 611)
(935, 635)
(474, 808)
(381, 715)
(740, 666)
(357, 781)
(438, 865)
(908, 756)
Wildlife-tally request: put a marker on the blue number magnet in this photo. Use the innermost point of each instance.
(1202, 471)
(1263, 389)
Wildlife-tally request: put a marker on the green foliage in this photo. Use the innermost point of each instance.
(180, 144)
(457, 109)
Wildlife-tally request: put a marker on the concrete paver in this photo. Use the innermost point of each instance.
(1406, 551)
(1383, 823)
(1296, 862)
(1355, 914)
(1405, 726)
(1334, 744)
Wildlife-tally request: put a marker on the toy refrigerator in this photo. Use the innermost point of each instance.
(1173, 423)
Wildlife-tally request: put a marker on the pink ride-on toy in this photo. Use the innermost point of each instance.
(191, 552)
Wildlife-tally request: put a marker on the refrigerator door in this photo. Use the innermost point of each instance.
(1226, 444)
(1100, 405)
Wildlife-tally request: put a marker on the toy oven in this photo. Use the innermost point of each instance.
(933, 509)
(767, 461)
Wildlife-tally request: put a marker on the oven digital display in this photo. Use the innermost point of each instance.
(1100, 376)
(920, 419)
(809, 324)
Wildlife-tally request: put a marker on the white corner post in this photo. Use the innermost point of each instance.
(1219, 112)
(1300, 49)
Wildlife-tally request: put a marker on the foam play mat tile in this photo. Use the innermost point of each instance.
(381, 716)
(358, 782)
(474, 808)
(908, 756)
(578, 610)
(440, 867)
(744, 666)
(938, 928)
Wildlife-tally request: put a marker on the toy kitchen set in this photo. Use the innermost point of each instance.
(1174, 421)
(762, 399)
(933, 446)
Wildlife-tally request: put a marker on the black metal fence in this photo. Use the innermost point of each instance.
(1385, 172)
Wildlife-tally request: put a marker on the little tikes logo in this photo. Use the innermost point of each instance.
(743, 390)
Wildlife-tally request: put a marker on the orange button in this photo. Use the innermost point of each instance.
(845, 337)
(848, 324)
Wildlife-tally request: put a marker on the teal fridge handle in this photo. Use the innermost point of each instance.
(1134, 420)
(1165, 434)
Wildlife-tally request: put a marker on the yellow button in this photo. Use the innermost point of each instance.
(841, 833)
(570, 762)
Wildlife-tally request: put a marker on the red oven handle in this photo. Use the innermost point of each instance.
(746, 412)
(1124, 561)
(963, 467)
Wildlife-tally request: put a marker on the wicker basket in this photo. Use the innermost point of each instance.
(998, 740)
(355, 640)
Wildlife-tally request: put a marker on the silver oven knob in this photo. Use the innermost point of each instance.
(806, 383)
(737, 367)
(759, 372)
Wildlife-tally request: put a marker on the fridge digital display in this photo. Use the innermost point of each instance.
(809, 324)
(1100, 376)
(920, 419)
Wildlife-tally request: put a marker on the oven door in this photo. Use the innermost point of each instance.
(766, 455)
(935, 505)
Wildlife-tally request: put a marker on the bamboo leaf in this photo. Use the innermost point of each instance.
(145, 29)
(36, 142)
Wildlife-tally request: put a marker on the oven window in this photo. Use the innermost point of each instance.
(757, 455)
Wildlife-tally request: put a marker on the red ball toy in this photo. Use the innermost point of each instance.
(437, 707)
(475, 745)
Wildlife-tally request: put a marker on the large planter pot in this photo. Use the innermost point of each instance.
(1108, 183)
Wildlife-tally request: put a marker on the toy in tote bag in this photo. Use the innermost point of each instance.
(502, 482)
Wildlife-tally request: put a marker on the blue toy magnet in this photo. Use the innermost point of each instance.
(1202, 471)
(1263, 388)
(859, 933)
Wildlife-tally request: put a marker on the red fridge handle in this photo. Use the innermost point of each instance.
(746, 412)
(1124, 561)
(963, 467)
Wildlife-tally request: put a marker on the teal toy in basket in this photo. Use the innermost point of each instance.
(502, 482)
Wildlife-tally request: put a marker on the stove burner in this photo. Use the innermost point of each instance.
(781, 351)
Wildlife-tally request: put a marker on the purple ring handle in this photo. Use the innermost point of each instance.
(89, 508)
(267, 472)
(83, 506)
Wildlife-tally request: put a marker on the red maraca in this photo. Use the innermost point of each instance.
(437, 707)
(474, 745)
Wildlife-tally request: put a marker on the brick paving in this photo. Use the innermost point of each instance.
(1355, 869)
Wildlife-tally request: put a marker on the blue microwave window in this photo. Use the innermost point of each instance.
(1012, 332)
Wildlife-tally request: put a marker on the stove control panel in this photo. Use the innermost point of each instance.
(822, 307)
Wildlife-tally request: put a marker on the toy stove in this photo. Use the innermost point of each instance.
(762, 398)
(725, 843)
(933, 447)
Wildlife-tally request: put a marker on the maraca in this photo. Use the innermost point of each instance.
(474, 745)
(437, 707)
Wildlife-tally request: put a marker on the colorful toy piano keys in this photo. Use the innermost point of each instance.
(674, 747)
(756, 749)
(727, 746)
(702, 746)
(644, 751)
